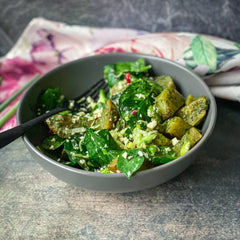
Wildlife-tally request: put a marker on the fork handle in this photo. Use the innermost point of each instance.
(10, 135)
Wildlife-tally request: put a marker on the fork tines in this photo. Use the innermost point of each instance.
(92, 92)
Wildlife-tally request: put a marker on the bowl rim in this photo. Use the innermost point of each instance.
(207, 134)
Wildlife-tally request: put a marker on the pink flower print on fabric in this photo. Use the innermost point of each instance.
(134, 46)
(54, 48)
(15, 73)
(44, 51)
(106, 50)
(140, 47)
(164, 45)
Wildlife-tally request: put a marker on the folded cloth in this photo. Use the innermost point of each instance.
(46, 44)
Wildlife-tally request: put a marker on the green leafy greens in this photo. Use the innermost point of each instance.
(98, 144)
(136, 99)
(138, 126)
(51, 98)
(114, 73)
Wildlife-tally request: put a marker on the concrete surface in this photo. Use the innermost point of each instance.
(201, 203)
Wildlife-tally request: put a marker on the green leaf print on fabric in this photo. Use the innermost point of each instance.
(204, 52)
(237, 45)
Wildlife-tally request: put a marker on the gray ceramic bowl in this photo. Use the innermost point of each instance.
(77, 76)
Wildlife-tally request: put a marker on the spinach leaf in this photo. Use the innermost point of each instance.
(136, 99)
(51, 99)
(53, 142)
(110, 76)
(164, 155)
(129, 161)
(105, 134)
(114, 73)
(54, 154)
(76, 151)
(98, 145)
(115, 98)
(131, 67)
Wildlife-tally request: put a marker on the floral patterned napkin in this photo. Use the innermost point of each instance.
(46, 44)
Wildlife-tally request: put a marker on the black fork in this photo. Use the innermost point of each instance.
(8, 136)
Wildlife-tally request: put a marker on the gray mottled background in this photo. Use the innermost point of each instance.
(220, 18)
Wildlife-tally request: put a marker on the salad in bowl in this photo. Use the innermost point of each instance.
(140, 121)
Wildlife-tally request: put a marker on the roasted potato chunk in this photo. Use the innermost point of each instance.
(176, 127)
(65, 125)
(194, 112)
(161, 140)
(192, 136)
(110, 115)
(190, 99)
(168, 102)
(165, 81)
